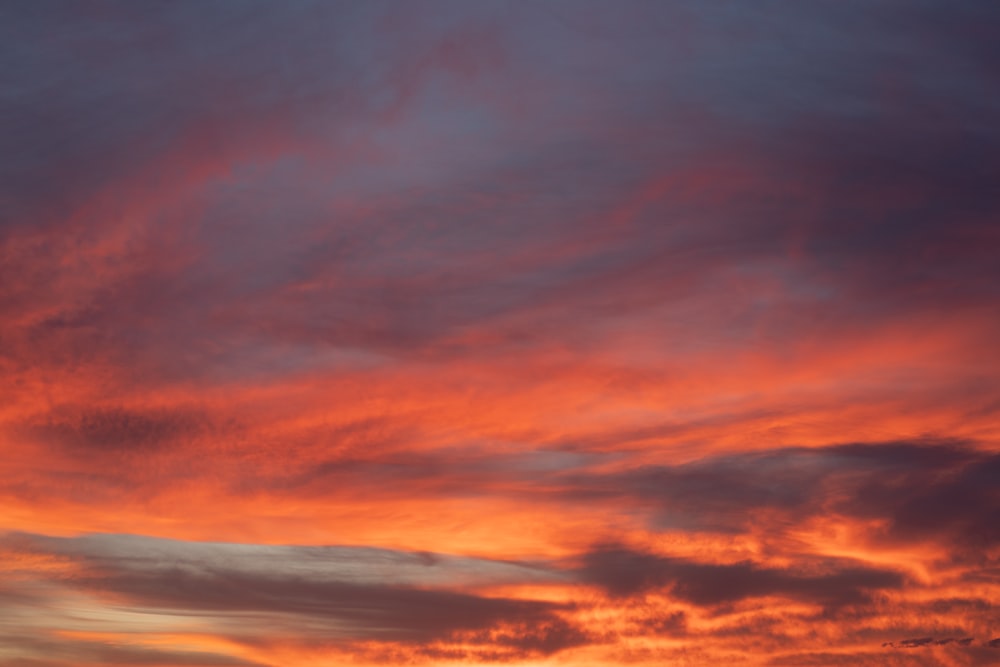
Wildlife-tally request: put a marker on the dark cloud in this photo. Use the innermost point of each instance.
(369, 611)
(350, 594)
(712, 494)
(673, 624)
(121, 429)
(623, 572)
(259, 82)
(963, 641)
(906, 225)
(99, 137)
(922, 489)
(343, 564)
(84, 118)
(531, 637)
(960, 501)
(919, 642)
(912, 643)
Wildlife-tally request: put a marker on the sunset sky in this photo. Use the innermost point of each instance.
(528, 332)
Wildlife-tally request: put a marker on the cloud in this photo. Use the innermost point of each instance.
(479, 285)
(364, 611)
(57, 651)
(120, 429)
(350, 594)
(920, 490)
(623, 572)
(364, 260)
(530, 637)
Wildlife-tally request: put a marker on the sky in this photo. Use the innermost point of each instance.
(541, 333)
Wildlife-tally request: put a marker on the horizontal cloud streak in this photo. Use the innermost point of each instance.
(623, 572)
(336, 593)
(916, 490)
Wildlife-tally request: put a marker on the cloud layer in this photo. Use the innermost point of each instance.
(455, 332)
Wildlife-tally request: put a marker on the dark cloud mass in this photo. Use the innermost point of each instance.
(367, 611)
(916, 490)
(622, 571)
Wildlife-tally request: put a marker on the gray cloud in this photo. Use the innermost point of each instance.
(346, 593)
(923, 489)
(623, 572)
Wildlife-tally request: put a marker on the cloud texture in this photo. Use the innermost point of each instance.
(453, 332)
